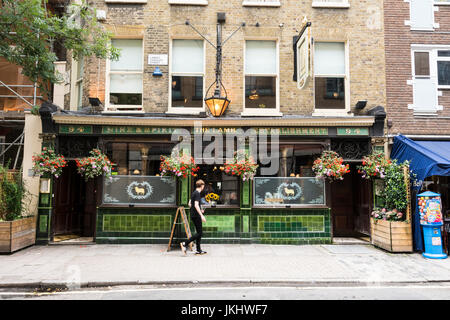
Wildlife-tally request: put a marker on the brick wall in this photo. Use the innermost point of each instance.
(361, 25)
(398, 40)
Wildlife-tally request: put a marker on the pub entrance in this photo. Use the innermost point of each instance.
(351, 205)
(74, 212)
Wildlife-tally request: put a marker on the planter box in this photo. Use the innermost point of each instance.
(393, 236)
(17, 234)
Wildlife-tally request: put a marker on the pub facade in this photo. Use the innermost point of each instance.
(310, 77)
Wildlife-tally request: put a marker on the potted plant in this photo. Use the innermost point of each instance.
(97, 164)
(17, 229)
(391, 225)
(48, 163)
(241, 165)
(330, 166)
(178, 166)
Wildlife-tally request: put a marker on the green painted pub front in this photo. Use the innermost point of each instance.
(250, 220)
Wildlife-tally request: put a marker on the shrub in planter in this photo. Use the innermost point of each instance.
(390, 226)
(16, 230)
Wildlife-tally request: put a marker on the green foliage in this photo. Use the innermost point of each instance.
(395, 187)
(12, 196)
(28, 32)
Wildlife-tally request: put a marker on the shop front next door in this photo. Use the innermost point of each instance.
(74, 210)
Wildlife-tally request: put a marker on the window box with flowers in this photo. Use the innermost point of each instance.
(96, 165)
(391, 225)
(330, 166)
(48, 163)
(243, 166)
(178, 166)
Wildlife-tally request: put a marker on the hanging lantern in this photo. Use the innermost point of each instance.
(217, 104)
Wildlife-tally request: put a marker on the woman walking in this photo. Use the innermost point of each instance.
(197, 217)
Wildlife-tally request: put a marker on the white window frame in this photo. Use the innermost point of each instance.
(190, 2)
(433, 54)
(435, 25)
(442, 3)
(76, 83)
(179, 110)
(274, 112)
(108, 107)
(334, 112)
(126, 1)
(261, 3)
(330, 4)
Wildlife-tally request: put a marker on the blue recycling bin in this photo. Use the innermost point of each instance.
(429, 209)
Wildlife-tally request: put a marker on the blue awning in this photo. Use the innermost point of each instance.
(428, 158)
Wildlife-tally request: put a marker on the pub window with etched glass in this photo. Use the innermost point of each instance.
(217, 182)
(294, 183)
(136, 178)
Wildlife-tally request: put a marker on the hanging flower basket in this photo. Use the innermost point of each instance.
(48, 163)
(374, 166)
(330, 165)
(178, 166)
(241, 165)
(96, 165)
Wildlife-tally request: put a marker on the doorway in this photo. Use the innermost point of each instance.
(351, 205)
(74, 211)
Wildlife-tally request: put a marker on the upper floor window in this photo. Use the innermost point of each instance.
(186, 76)
(330, 4)
(430, 73)
(261, 3)
(124, 77)
(77, 84)
(261, 77)
(422, 14)
(330, 76)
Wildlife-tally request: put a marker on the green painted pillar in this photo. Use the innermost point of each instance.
(45, 204)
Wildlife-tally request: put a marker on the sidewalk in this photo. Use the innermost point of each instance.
(99, 265)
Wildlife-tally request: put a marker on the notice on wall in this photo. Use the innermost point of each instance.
(158, 59)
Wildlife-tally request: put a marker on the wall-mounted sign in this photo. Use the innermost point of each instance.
(136, 130)
(158, 59)
(79, 129)
(352, 131)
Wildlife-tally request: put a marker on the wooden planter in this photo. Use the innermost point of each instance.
(17, 234)
(394, 236)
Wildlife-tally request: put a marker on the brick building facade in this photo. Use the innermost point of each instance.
(359, 26)
(318, 87)
(418, 103)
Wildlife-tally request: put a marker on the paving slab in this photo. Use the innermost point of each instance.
(134, 264)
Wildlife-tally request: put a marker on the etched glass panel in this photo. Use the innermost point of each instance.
(280, 191)
(148, 190)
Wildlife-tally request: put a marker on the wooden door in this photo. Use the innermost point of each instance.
(68, 203)
(342, 207)
(363, 204)
(89, 208)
